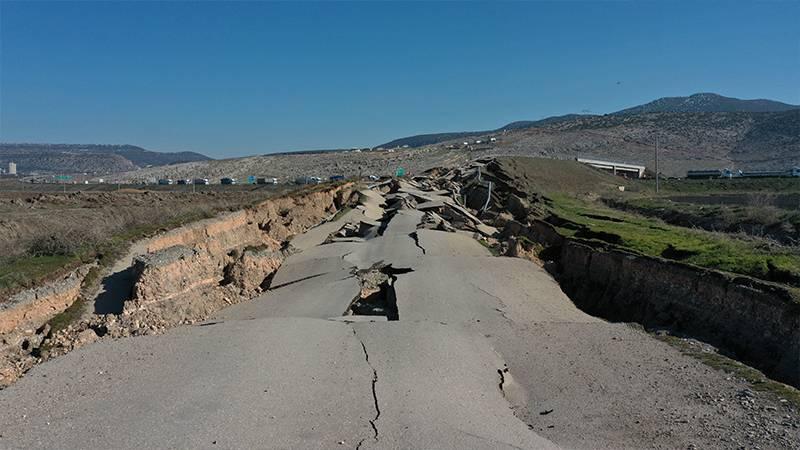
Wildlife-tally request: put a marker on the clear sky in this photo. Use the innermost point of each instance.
(239, 78)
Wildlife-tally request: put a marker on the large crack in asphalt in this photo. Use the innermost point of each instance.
(415, 236)
(372, 421)
(377, 296)
(502, 372)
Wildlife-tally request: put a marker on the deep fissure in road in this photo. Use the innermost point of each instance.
(501, 385)
(415, 237)
(377, 296)
(374, 392)
(384, 220)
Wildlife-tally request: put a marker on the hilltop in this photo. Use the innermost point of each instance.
(429, 139)
(696, 103)
(90, 158)
(687, 140)
(708, 102)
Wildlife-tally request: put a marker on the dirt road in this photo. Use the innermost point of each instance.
(400, 337)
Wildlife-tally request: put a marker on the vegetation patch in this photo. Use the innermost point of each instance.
(783, 185)
(653, 237)
(677, 253)
(25, 272)
(753, 217)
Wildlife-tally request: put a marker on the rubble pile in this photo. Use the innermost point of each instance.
(477, 198)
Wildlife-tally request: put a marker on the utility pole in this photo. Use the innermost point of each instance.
(657, 164)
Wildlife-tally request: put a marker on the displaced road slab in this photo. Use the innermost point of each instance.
(322, 296)
(467, 288)
(297, 269)
(443, 243)
(404, 221)
(397, 249)
(318, 234)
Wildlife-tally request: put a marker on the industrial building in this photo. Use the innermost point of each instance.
(726, 173)
(704, 174)
(12, 168)
(631, 170)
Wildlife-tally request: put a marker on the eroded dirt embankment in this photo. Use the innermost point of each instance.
(752, 320)
(181, 276)
(33, 307)
(195, 270)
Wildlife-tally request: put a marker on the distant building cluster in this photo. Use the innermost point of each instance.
(11, 170)
(706, 174)
(224, 180)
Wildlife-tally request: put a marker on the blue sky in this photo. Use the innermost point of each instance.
(240, 78)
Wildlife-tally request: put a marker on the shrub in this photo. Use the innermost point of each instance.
(52, 246)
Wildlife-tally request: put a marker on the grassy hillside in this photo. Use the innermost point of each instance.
(578, 199)
(553, 176)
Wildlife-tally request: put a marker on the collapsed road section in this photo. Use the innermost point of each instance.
(394, 327)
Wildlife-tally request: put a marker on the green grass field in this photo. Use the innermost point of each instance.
(26, 271)
(684, 186)
(655, 238)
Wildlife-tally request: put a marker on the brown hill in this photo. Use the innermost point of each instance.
(739, 140)
(88, 158)
(686, 140)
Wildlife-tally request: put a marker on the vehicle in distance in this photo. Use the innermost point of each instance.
(308, 180)
(184, 181)
(165, 181)
(227, 180)
(267, 181)
(201, 181)
(337, 177)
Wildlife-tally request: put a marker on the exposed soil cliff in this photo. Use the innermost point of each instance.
(182, 276)
(754, 321)
(192, 271)
(33, 307)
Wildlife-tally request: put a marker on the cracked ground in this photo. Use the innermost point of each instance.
(459, 350)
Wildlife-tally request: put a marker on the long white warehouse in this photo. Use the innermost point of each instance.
(615, 167)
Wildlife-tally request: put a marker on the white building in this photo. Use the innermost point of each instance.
(12, 168)
(615, 167)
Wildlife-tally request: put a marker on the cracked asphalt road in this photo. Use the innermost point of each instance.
(487, 353)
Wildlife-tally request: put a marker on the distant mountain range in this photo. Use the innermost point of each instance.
(430, 139)
(696, 103)
(89, 158)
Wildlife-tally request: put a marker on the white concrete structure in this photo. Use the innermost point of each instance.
(614, 167)
(12, 168)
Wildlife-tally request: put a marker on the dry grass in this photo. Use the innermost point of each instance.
(46, 235)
